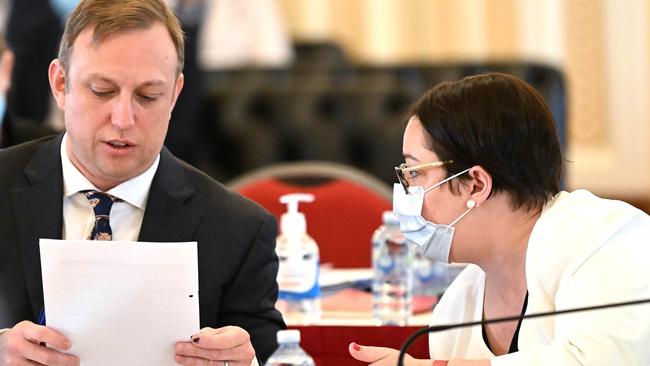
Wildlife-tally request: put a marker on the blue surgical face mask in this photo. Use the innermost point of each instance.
(434, 240)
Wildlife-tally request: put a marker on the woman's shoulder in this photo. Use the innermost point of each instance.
(580, 221)
(582, 208)
(578, 227)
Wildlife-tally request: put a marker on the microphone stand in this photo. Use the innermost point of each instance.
(437, 328)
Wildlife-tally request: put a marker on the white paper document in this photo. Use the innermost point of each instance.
(121, 303)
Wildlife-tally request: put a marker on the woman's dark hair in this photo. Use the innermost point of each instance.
(501, 123)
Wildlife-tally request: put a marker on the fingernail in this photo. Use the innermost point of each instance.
(196, 339)
(356, 346)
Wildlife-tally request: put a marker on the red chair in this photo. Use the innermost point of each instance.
(347, 209)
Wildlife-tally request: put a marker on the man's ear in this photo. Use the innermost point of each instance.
(177, 90)
(57, 77)
(480, 185)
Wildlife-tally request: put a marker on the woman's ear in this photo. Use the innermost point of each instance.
(480, 184)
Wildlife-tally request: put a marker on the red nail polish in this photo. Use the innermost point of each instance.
(356, 346)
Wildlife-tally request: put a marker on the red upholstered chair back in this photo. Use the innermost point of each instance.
(348, 205)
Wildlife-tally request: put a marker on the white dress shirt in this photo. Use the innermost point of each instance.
(126, 217)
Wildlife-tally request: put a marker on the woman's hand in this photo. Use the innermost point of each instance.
(382, 356)
(222, 346)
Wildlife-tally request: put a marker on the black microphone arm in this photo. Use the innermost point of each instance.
(437, 328)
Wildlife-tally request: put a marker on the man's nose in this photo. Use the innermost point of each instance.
(122, 114)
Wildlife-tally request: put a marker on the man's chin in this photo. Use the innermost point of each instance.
(114, 176)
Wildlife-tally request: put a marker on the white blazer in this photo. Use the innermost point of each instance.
(583, 251)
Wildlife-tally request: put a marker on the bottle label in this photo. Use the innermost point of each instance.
(298, 276)
(424, 269)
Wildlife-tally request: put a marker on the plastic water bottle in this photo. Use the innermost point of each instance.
(299, 296)
(430, 278)
(392, 286)
(289, 352)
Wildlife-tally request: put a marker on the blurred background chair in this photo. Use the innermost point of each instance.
(334, 110)
(348, 205)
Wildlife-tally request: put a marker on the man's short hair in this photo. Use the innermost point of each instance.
(113, 16)
(501, 123)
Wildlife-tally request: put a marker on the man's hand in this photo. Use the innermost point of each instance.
(382, 356)
(31, 344)
(231, 344)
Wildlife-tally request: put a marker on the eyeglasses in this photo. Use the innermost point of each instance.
(403, 169)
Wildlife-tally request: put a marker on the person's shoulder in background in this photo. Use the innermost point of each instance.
(18, 132)
(14, 131)
(14, 160)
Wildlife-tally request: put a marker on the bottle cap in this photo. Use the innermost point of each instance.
(390, 218)
(288, 336)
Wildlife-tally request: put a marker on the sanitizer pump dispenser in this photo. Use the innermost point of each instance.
(299, 297)
(293, 222)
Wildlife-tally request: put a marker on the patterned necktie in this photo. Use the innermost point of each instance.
(102, 204)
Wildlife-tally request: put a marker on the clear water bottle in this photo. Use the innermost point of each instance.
(299, 296)
(392, 286)
(430, 278)
(289, 352)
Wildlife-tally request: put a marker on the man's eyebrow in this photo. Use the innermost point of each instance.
(95, 77)
(98, 77)
(153, 83)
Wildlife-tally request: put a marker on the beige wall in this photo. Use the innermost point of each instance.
(603, 46)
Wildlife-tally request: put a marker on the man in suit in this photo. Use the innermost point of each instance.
(117, 78)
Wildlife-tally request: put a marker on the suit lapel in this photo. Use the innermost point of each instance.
(38, 209)
(168, 217)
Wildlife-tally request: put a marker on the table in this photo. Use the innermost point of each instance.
(347, 318)
(328, 345)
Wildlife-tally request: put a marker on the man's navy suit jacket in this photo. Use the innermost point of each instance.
(236, 239)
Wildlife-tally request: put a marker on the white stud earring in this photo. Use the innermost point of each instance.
(471, 204)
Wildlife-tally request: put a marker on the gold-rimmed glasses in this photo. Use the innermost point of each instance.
(404, 169)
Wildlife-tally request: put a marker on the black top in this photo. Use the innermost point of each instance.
(514, 344)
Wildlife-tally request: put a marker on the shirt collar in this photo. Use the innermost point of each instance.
(134, 191)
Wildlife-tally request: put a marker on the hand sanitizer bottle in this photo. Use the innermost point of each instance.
(299, 297)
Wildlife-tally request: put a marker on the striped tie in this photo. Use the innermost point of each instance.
(102, 204)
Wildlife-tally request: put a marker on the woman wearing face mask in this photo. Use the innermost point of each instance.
(480, 185)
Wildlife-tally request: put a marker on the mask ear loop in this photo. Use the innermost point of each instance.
(470, 205)
(446, 180)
